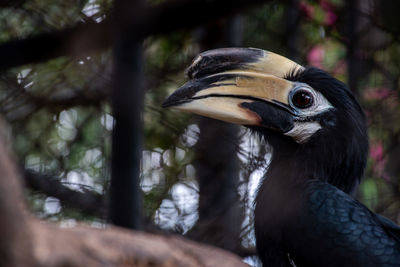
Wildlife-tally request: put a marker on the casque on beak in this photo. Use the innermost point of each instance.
(239, 85)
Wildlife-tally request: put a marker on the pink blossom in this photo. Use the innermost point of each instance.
(378, 160)
(379, 93)
(307, 10)
(326, 5)
(330, 16)
(340, 67)
(315, 56)
(376, 151)
(379, 169)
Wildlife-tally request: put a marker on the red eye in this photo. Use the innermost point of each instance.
(302, 99)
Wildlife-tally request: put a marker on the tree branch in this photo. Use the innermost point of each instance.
(91, 37)
(88, 202)
(11, 3)
(72, 41)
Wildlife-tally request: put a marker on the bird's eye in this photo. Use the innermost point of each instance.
(302, 99)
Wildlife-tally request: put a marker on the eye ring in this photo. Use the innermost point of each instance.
(302, 99)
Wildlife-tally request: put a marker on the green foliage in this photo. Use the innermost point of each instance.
(61, 121)
(263, 28)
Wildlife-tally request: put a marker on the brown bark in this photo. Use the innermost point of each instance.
(84, 246)
(26, 241)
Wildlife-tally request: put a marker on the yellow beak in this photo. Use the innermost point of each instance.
(224, 80)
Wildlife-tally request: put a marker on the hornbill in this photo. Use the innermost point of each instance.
(304, 210)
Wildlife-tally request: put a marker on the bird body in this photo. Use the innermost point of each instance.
(304, 210)
(352, 234)
(323, 226)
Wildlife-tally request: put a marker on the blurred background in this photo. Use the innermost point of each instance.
(60, 61)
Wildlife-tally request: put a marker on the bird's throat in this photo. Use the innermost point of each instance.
(339, 162)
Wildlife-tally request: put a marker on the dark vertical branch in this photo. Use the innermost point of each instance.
(292, 21)
(127, 103)
(352, 41)
(364, 38)
(233, 32)
(216, 161)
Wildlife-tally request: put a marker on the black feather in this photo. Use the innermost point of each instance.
(304, 206)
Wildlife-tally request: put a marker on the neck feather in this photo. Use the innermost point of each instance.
(339, 160)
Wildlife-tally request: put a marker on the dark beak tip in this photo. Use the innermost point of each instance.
(167, 103)
(174, 100)
(181, 95)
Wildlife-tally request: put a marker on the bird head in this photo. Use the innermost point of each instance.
(304, 108)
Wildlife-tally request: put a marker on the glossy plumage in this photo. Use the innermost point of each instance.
(352, 234)
(329, 228)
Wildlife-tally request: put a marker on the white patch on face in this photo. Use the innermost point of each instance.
(320, 103)
(304, 127)
(302, 131)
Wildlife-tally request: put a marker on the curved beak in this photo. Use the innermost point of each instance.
(238, 85)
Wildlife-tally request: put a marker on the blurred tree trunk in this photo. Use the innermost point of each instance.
(127, 103)
(292, 23)
(216, 163)
(353, 59)
(364, 38)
